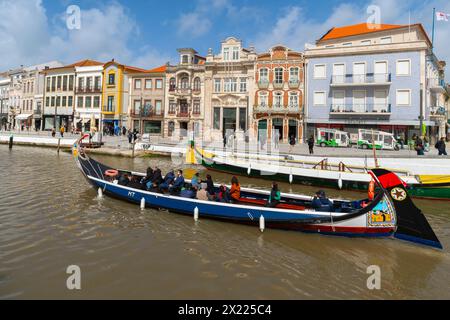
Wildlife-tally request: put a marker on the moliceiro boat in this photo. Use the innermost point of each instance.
(323, 174)
(390, 213)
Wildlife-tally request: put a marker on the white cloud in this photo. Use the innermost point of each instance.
(27, 37)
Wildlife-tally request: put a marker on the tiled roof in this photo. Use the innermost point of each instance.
(133, 69)
(86, 63)
(160, 69)
(357, 29)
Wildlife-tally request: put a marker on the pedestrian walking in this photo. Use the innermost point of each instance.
(130, 136)
(124, 130)
(53, 132)
(440, 145)
(419, 146)
(61, 131)
(311, 145)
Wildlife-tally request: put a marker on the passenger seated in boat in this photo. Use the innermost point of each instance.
(168, 180)
(275, 196)
(148, 178)
(190, 193)
(202, 194)
(124, 180)
(154, 188)
(157, 176)
(222, 195)
(321, 202)
(235, 192)
(195, 181)
(210, 190)
(178, 183)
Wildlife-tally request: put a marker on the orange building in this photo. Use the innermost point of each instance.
(278, 108)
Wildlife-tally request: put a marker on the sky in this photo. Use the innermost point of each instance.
(147, 33)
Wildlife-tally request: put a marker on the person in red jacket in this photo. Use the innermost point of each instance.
(235, 192)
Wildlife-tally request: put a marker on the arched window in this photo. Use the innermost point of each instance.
(184, 82)
(263, 99)
(278, 100)
(197, 84)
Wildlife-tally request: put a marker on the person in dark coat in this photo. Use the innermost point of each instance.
(178, 183)
(311, 145)
(321, 203)
(291, 143)
(419, 146)
(157, 176)
(130, 136)
(440, 145)
(168, 180)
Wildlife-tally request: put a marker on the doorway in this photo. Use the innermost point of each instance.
(228, 121)
(293, 129)
(183, 129)
(277, 125)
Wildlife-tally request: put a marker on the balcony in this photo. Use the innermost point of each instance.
(91, 89)
(147, 114)
(437, 85)
(368, 79)
(109, 110)
(294, 83)
(360, 110)
(276, 109)
(183, 114)
(263, 84)
(278, 85)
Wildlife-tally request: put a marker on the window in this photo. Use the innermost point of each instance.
(217, 85)
(137, 107)
(197, 84)
(88, 102)
(233, 85)
(97, 83)
(227, 85)
(58, 101)
(96, 102)
(263, 99)
(226, 54)
(47, 102)
(80, 102)
(48, 84)
(65, 83)
(293, 99)
(235, 53)
(184, 83)
(137, 84)
(159, 83)
(216, 120)
(403, 67)
(58, 87)
(278, 75)
(80, 83)
(172, 107)
(111, 79)
(152, 127)
(196, 107)
(158, 107)
(71, 83)
(148, 84)
(53, 83)
(319, 71)
(172, 84)
(110, 105)
(69, 101)
(366, 42)
(319, 98)
(278, 100)
(347, 44)
(263, 75)
(294, 75)
(243, 85)
(403, 97)
(386, 40)
(64, 101)
(184, 59)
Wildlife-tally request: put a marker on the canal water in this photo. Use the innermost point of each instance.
(50, 218)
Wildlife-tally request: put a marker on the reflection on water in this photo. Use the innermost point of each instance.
(50, 218)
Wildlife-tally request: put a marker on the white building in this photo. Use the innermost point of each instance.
(4, 100)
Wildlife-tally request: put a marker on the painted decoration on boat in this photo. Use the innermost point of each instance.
(382, 215)
(398, 194)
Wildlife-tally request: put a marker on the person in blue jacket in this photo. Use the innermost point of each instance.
(168, 180)
(321, 202)
(178, 183)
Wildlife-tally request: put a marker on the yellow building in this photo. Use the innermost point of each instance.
(116, 94)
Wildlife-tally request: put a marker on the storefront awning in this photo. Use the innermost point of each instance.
(23, 116)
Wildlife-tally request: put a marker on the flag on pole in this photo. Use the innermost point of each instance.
(442, 16)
